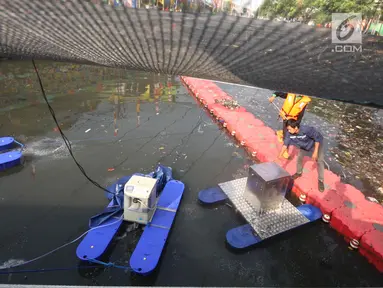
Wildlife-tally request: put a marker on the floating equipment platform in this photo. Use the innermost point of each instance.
(149, 248)
(260, 200)
(8, 157)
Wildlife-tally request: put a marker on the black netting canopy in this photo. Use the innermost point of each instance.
(287, 56)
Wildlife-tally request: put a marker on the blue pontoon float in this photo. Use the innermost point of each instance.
(10, 156)
(260, 198)
(151, 200)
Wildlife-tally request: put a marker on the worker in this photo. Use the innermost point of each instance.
(310, 142)
(293, 108)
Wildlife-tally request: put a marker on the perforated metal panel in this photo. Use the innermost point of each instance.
(269, 223)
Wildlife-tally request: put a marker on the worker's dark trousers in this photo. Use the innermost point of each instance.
(320, 168)
(298, 121)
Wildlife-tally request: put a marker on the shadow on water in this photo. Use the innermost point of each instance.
(275, 240)
(13, 170)
(129, 240)
(106, 257)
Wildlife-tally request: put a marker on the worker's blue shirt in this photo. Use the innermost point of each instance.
(305, 138)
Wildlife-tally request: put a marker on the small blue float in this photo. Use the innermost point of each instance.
(8, 157)
(213, 195)
(167, 197)
(6, 143)
(260, 198)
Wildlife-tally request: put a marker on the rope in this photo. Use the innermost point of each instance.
(46, 270)
(17, 142)
(109, 264)
(62, 246)
(66, 140)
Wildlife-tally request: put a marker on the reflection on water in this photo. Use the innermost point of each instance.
(90, 104)
(353, 134)
(73, 89)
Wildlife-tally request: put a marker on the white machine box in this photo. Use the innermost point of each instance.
(140, 199)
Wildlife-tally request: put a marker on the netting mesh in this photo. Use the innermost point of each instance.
(276, 55)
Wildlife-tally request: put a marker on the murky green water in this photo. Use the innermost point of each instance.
(353, 133)
(73, 89)
(120, 123)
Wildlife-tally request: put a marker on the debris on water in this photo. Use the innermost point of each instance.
(33, 170)
(11, 263)
(88, 130)
(229, 144)
(236, 154)
(161, 148)
(372, 199)
(228, 103)
(227, 204)
(110, 169)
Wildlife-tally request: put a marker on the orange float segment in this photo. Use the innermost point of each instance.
(247, 128)
(371, 247)
(328, 201)
(348, 220)
(372, 212)
(349, 192)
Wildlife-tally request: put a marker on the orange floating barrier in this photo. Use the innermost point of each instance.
(371, 248)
